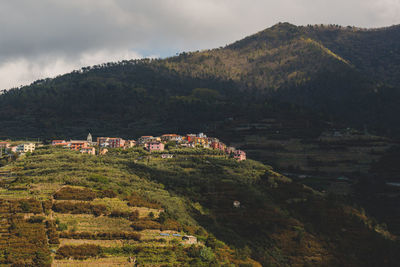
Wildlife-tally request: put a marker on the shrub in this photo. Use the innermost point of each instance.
(132, 216)
(26, 206)
(98, 179)
(62, 227)
(52, 232)
(36, 219)
(107, 193)
(47, 204)
(73, 193)
(206, 254)
(79, 252)
(27, 244)
(145, 224)
(171, 224)
(137, 201)
(79, 208)
(101, 235)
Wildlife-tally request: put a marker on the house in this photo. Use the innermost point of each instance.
(239, 155)
(116, 142)
(145, 139)
(129, 143)
(88, 150)
(78, 144)
(171, 137)
(167, 156)
(218, 145)
(24, 148)
(112, 142)
(102, 141)
(4, 145)
(201, 135)
(190, 138)
(230, 150)
(59, 143)
(200, 141)
(186, 144)
(155, 146)
(189, 239)
(103, 151)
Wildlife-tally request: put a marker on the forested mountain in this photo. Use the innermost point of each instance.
(345, 74)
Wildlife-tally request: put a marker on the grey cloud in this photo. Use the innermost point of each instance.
(61, 35)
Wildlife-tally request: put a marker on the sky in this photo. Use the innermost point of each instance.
(46, 38)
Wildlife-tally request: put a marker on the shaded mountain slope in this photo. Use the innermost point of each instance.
(328, 70)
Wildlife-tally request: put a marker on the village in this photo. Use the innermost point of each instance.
(152, 144)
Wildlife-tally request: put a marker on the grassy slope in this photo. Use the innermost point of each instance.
(279, 223)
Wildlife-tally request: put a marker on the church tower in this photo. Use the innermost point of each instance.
(89, 138)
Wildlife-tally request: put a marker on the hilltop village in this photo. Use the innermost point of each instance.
(152, 144)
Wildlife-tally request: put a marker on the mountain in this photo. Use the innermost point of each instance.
(331, 73)
(349, 73)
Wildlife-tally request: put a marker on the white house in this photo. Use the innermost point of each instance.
(24, 148)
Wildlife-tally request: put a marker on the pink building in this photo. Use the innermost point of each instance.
(218, 145)
(239, 155)
(155, 146)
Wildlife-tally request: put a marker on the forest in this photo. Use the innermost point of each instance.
(326, 73)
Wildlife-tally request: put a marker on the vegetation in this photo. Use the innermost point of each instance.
(68, 193)
(284, 69)
(190, 194)
(101, 236)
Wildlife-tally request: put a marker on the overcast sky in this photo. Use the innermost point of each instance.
(44, 38)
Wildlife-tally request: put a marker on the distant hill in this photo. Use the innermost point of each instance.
(331, 73)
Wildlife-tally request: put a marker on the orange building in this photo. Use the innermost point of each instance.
(78, 144)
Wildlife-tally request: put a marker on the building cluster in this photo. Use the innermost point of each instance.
(150, 143)
(20, 149)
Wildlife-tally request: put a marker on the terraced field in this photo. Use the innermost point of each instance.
(131, 207)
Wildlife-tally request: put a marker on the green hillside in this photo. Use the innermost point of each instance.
(108, 209)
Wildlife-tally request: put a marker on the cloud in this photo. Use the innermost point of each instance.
(22, 71)
(47, 37)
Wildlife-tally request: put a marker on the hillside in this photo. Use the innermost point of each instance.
(348, 73)
(324, 73)
(120, 206)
